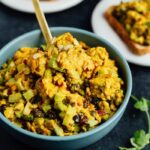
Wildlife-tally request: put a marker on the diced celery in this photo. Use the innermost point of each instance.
(5, 93)
(27, 70)
(75, 76)
(19, 84)
(1, 80)
(27, 109)
(54, 50)
(11, 81)
(101, 71)
(43, 47)
(11, 65)
(28, 95)
(57, 129)
(77, 128)
(9, 113)
(48, 73)
(2, 102)
(68, 119)
(7, 75)
(19, 106)
(53, 64)
(20, 67)
(128, 27)
(46, 107)
(81, 92)
(18, 114)
(13, 98)
(92, 122)
(59, 97)
(29, 117)
(62, 114)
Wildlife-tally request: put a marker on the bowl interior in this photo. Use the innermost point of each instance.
(35, 38)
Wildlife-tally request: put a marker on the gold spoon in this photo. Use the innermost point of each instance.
(42, 22)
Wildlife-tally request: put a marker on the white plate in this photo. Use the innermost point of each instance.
(47, 6)
(102, 28)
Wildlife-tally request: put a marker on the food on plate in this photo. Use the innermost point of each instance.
(131, 20)
(64, 89)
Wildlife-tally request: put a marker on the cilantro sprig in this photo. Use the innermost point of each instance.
(140, 138)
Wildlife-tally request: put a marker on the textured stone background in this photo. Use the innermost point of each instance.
(14, 23)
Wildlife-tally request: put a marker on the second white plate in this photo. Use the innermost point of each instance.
(47, 6)
(102, 28)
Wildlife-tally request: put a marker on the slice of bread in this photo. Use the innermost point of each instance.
(134, 47)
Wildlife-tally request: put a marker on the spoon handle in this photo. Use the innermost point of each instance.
(42, 22)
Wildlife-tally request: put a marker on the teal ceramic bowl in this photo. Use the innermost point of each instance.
(35, 38)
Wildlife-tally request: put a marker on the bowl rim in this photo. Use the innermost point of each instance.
(99, 127)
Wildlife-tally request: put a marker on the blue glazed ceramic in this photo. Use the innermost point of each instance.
(35, 38)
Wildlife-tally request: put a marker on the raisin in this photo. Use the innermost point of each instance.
(23, 122)
(85, 104)
(77, 118)
(95, 100)
(53, 72)
(96, 74)
(65, 129)
(65, 74)
(51, 114)
(84, 120)
(72, 104)
(9, 92)
(2, 108)
(85, 84)
(36, 99)
(66, 101)
(25, 62)
(40, 48)
(37, 113)
(80, 119)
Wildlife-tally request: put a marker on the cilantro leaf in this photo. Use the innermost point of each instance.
(141, 105)
(140, 139)
(148, 103)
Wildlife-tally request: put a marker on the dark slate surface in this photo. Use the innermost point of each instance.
(13, 24)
